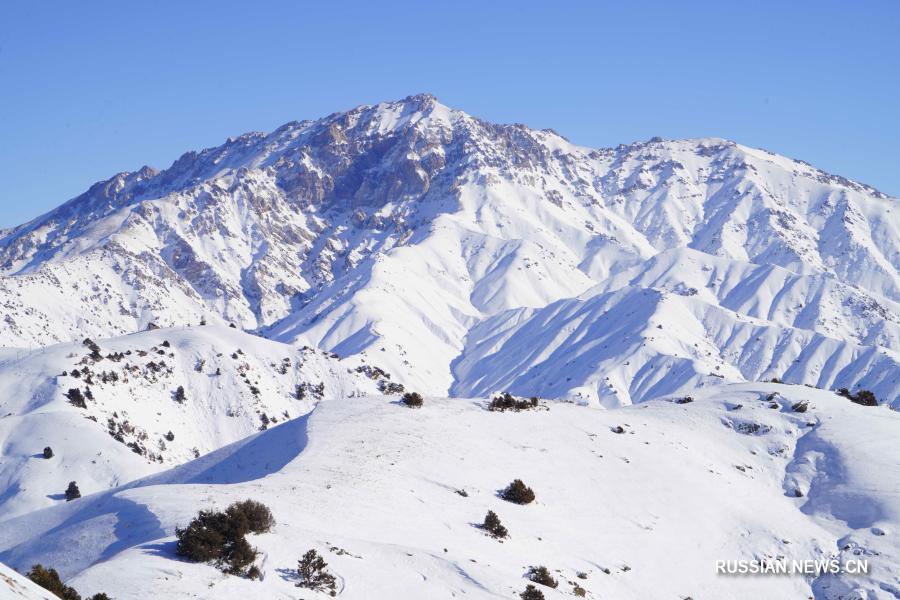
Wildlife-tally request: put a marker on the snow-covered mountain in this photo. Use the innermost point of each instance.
(417, 233)
(240, 325)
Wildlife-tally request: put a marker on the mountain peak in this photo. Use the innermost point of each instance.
(405, 224)
(422, 100)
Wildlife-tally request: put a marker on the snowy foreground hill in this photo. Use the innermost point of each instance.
(242, 325)
(376, 487)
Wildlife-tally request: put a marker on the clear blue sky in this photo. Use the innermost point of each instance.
(91, 88)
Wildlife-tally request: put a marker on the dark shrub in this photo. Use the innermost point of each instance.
(204, 538)
(618, 429)
(579, 591)
(531, 593)
(254, 572)
(237, 555)
(179, 394)
(99, 596)
(50, 581)
(865, 397)
(306, 389)
(72, 492)
(170, 437)
(166, 343)
(542, 576)
(389, 388)
(94, 348)
(76, 398)
(504, 401)
(312, 573)
(48, 452)
(493, 526)
(800, 407)
(507, 401)
(412, 399)
(219, 536)
(251, 516)
(518, 493)
(685, 400)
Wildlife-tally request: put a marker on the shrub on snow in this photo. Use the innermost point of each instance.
(72, 492)
(219, 536)
(312, 573)
(412, 399)
(531, 593)
(517, 493)
(542, 576)
(493, 526)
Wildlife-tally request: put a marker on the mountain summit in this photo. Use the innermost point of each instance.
(470, 257)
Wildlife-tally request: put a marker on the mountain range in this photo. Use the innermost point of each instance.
(241, 323)
(444, 244)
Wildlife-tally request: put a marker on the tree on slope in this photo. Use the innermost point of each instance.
(531, 593)
(312, 573)
(72, 492)
(50, 581)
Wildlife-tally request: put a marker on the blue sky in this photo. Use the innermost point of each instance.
(91, 88)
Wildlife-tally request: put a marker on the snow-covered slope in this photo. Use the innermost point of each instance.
(637, 343)
(372, 485)
(409, 230)
(14, 586)
(134, 422)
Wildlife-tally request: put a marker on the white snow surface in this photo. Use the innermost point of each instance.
(13, 586)
(372, 485)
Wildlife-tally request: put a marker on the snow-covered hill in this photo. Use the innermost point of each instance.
(411, 231)
(376, 488)
(131, 419)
